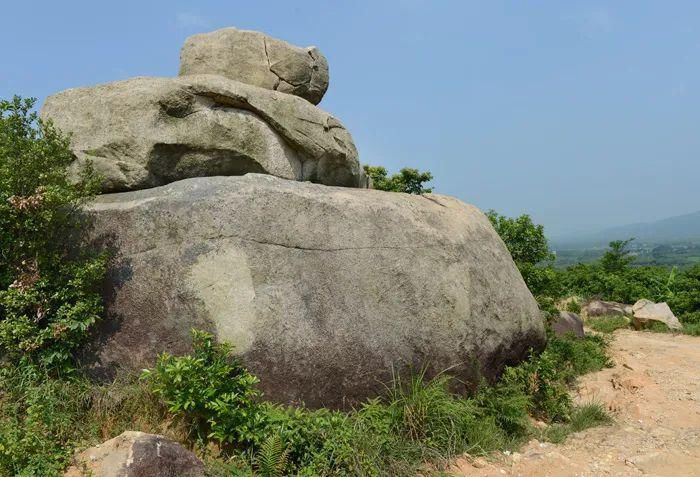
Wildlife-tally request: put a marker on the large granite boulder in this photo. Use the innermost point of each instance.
(137, 454)
(255, 58)
(324, 291)
(568, 322)
(146, 132)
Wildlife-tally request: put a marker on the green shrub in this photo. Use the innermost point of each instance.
(685, 297)
(529, 248)
(417, 421)
(49, 293)
(692, 329)
(580, 356)
(209, 390)
(408, 180)
(544, 378)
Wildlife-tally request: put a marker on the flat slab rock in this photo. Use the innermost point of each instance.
(137, 454)
(324, 291)
(146, 132)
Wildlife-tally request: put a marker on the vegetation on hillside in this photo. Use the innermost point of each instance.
(615, 276)
(49, 293)
(681, 254)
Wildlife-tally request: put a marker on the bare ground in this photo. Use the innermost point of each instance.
(653, 393)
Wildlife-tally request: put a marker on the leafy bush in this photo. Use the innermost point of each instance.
(684, 296)
(49, 294)
(625, 286)
(417, 421)
(529, 248)
(211, 391)
(408, 180)
(525, 240)
(579, 356)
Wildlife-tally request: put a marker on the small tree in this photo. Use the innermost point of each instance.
(618, 257)
(525, 240)
(408, 180)
(529, 248)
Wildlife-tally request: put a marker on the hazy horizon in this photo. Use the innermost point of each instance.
(583, 115)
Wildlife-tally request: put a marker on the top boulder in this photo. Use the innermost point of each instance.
(254, 58)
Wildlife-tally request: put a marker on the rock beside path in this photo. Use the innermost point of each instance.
(597, 308)
(568, 322)
(137, 454)
(324, 291)
(646, 312)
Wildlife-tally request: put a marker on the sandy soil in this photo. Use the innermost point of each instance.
(653, 392)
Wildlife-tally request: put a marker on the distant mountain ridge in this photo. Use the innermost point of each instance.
(673, 229)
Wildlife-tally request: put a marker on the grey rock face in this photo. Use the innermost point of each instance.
(568, 323)
(146, 132)
(322, 290)
(597, 308)
(646, 311)
(137, 454)
(257, 59)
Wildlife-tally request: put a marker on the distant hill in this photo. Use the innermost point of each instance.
(682, 228)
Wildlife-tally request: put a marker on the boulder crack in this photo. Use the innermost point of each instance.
(323, 249)
(269, 65)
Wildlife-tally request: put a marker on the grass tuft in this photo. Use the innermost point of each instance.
(582, 418)
(608, 324)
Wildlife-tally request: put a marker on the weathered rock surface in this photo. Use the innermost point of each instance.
(136, 454)
(646, 311)
(146, 132)
(568, 322)
(598, 308)
(323, 290)
(257, 59)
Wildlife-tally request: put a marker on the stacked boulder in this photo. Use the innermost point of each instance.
(326, 289)
(242, 103)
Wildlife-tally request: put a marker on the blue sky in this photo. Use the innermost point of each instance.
(582, 114)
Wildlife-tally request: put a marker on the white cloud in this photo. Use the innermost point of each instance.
(191, 20)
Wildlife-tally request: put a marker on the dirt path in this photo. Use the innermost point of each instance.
(653, 392)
